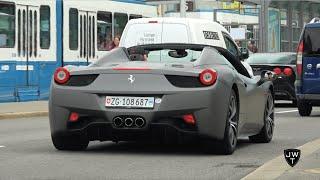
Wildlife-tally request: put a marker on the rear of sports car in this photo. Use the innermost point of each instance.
(137, 101)
(282, 64)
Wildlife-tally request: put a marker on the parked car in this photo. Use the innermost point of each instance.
(308, 68)
(163, 90)
(284, 65)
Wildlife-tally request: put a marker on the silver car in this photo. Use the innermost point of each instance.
(169, 91)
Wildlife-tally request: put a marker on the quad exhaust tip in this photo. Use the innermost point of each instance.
(128, 122)
(118, 122)
(140, 122)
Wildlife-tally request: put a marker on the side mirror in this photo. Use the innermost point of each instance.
(267, 76)
(244, 53)
(178, 53)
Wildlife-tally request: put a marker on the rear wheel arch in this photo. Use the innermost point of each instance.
(235, 88)
(271, 88)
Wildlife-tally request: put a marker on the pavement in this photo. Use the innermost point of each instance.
(26, 152)
(23, 109)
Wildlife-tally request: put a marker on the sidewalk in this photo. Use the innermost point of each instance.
(308, 166)
(23, 109)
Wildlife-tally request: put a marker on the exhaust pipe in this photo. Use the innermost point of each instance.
(140, 122)
(118, 122)
(128, 122)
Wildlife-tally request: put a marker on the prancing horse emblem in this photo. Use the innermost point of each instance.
(131, 79)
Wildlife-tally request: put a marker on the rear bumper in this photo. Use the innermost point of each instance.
(313, 99)
(284, 90)
(104, 131)
(308, 97)
(209, 106)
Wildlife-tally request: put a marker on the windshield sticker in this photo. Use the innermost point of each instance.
(147, 38)
(211, 35)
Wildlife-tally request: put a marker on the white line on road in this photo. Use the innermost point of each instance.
(2, 146)
(281, 112)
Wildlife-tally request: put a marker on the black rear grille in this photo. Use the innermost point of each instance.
(81, 80)
(184, 81)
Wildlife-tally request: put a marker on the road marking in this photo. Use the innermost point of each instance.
(274, 168)
(314, 171)
(2, 146)
(281, 112)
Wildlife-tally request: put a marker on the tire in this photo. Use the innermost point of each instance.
(304, 108)
(229, 143)
(72, 143)
(266, 133)
(294, 103)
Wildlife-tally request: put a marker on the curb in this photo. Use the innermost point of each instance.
(23, 115)
(274, 168)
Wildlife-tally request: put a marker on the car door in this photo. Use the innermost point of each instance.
(251, 95)
(311, 61)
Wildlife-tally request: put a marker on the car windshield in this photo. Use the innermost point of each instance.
(270, 58)
(167, 55)
(312, 41)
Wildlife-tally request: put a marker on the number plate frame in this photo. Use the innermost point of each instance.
(139, 102)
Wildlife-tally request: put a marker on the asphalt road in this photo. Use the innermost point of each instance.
(26, 152)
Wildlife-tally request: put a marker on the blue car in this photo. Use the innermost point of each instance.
(308, 68)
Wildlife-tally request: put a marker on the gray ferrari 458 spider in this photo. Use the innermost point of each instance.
(149, 92)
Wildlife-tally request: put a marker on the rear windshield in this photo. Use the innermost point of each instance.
(312, 41)
(155, 33)
(271, 59)
(169, 56)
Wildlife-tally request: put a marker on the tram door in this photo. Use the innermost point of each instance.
(27, 44)
(87, 37)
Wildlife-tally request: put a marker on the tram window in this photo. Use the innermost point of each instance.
(19, 32)
(30, 34)
(89, 37)
(133, 16)
(120, 21)
(81, 30)
(24, 33)
(93, 37)
(7, 25)
(35, 33)
(73, 29)
(85, 36)
(104, 30)
(44, 27)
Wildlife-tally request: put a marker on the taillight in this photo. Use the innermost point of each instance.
(189, 119)
(287, 71)
(73, 117)
(277, 71)
(61, 75)
(208, 77)
(299, 58)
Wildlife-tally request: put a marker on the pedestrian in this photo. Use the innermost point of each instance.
(115, 43)
(252, 48)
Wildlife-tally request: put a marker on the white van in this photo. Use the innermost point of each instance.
(180, 30)
(173, 30)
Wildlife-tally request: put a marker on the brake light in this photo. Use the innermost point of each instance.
(189, 119)
(131, 69)
(73, 117)
(299, 58)
(287, 71)
(301, 47)
(208, 77)
(61, 75)
(277, 71)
